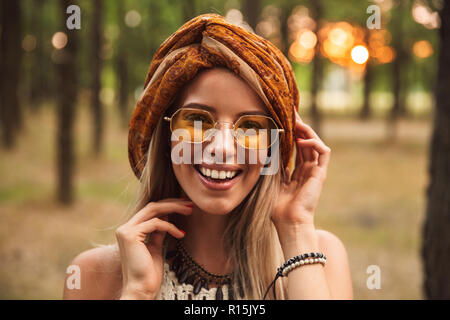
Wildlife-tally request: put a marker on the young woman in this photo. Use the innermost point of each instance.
(210, 223)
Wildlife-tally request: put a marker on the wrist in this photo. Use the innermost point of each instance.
(292, 231)
(301, 221)
(296, 239)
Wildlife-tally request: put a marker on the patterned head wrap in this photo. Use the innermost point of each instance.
(209, 41)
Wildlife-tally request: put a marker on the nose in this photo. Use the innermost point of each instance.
(222, 146)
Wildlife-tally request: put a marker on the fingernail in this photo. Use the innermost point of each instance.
(183, 232)
(189, 205)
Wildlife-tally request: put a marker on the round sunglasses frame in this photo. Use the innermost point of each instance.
(216, 122)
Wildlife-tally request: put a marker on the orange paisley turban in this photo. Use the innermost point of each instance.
(209, 41)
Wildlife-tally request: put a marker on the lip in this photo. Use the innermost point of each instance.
(220, 167)
(218, 186)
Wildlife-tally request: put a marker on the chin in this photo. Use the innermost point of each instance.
(216, 206)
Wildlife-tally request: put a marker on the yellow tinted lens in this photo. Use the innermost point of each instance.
(192, 123)
(253, 131)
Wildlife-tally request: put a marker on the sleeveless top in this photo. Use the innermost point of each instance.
(171, 289)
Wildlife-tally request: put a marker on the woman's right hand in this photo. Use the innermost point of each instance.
(142, 260)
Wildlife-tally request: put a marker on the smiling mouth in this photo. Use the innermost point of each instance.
(217, 176)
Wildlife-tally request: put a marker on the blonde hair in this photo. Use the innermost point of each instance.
(250, 236)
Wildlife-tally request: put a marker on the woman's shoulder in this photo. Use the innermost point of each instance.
(331, 245)
(105, 258)
(328, 238)
(98, 272)
(337, 268)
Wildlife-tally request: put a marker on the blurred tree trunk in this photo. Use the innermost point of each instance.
(317, 69)
(436, 238)
(395, 111)
(67, 96)
(398, 66)
(122, 68)
(38, 78)
(368, 78)
(10, 64)
(251, 11)
(97, 108)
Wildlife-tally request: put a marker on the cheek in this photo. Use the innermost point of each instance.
(181, 169)
(253, 172)
(185, 176)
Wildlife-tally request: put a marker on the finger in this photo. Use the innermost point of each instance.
(299, 160)
(300, 157)
(301, 133)
(308, 154)
(156, 224)
(323, 151)
(157, 209)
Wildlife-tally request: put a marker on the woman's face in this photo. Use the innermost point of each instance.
(227, 97)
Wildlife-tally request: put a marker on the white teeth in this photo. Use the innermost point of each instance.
(217, 174)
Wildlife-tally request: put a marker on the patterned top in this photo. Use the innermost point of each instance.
(171, 289)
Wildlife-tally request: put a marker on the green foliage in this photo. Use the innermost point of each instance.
(159, 19)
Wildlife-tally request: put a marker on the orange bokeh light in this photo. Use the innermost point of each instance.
(300, 54)
(307, 39)
(422, 49)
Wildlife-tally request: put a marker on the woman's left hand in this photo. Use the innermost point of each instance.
(300, 193)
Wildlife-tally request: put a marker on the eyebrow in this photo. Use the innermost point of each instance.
(212, 110)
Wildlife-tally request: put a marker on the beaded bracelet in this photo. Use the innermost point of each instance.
(294, 262)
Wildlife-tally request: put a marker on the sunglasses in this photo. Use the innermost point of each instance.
(197, 125)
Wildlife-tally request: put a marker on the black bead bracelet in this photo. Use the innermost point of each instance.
(301, 259)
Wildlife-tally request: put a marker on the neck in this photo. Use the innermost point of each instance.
(204, 240)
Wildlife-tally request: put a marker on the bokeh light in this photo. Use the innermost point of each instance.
(422, 49)
(384, 54)
(300, 54)
(338, 36)
(299, 20)
(424, 15)
(234, 16)
(307, 39)
(132, 18)
(29, 43)
(59, 40)
(360, 54)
